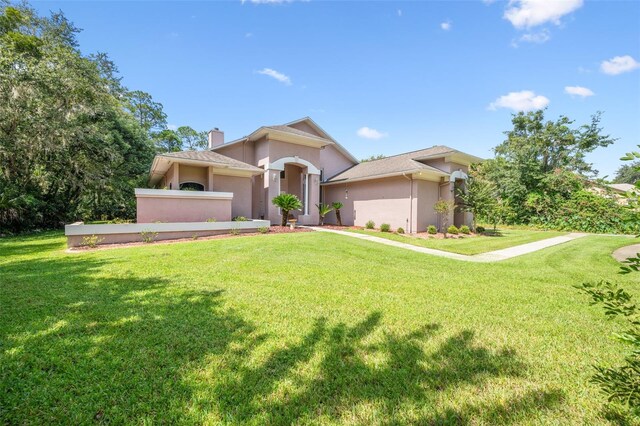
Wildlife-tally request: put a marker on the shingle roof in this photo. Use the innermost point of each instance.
(213, 158)
(623, 187)
(395, 164)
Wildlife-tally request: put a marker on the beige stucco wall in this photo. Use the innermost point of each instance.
(242, 193)
(305, 128)
(171, 178)
(193, 174)
(333, 162)
(426, 194)
(278, 150)
(165, 209)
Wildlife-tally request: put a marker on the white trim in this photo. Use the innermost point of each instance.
(459, 174)
(279, 164)
(174, 193)
(415, 173)
(135, 228)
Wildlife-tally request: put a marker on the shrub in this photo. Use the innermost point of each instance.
(464, 229)
(370, 225)
(400, 230)
(263, 229)
(234, 231)
(148, 236)
(480, 229)
(211, 219)
(194, 237)
(286, 203)
(239, 219)
(453, 230)
(91, 241)
(385, 227)
(432, 230)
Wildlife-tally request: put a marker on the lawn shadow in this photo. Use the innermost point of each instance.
(78, 345)
(492, 233)
(391, 373)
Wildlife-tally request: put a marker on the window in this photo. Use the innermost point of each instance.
(191, 186)
(282, 175)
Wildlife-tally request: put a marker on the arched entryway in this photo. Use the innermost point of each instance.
(297, 176)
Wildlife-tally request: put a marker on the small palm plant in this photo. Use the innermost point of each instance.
(337, 206)
(323, 209)
(286, 202)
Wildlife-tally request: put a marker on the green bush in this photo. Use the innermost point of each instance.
(239, 219)
(148, 236)
(453, 230)
(211, 219)
(385, 227)
(480, 229)
(370, 224)
(432, 230)
(464, 229)
(263, 229)
(91, 241)
(234, 231)
(400, 230)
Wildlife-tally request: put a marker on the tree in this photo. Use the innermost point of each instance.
(628, 173)
(373, 157)
(69, 149)
(287, 203)
(190, 139)
(167, 140)
(477, 197)
(146, 111)
(337, 205)
(444, 208)
(323, 210)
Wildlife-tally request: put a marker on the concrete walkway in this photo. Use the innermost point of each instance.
(625, 252)
(491, 256)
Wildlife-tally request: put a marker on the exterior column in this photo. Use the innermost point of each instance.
(306, 193)
(210, 178)
(273, 189)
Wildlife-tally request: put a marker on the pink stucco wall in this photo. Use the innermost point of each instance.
(242, 193)
(193, 174)
(166, 209)
(333, 162)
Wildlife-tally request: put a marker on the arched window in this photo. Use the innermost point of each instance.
(191, 186)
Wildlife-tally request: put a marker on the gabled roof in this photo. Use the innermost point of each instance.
(321, 139)
(162, 163)
(407, 163)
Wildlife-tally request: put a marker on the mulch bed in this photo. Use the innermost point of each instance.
(272, 230)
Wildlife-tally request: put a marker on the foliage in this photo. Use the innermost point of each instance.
(453, 230)
(211, 220)
(431, 229)
(148, 236)
(91, 241)
(370, 224)
(464, 229)
(234, 231)
(478, 196)
(373, 158)
(337, 205)
(323, 210)
(286, 202)
(191, 139)
(385, 227)
(240, 219)
(540, 175)
(628, 173)
(444, 208)
(70, 149)
(480, 229)
(400, 230)
(264, 229)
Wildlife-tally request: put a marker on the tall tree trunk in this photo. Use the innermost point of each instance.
(285, 216)
(338, 217)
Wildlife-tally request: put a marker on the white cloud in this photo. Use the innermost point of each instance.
(277, 75)
(618, 65)
(446, 25)
(539, 37)
(531, 13)
(525, 100)
(368, 133)
(172, 127)
(578, 91)
(399, 12)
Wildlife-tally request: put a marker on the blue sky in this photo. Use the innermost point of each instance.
(380, 77)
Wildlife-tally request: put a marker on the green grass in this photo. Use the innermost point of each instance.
(307, 328)
(470, 245)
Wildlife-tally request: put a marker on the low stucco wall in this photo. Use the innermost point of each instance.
(158, 205)
(133, 232)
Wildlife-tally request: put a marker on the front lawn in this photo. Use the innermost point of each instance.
(470, 245)
(307, 328)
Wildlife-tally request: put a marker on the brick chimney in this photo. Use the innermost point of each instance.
(216, 138)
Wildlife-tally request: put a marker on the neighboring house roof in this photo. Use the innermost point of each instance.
(403, 164)
(162, 163)
(623, 187)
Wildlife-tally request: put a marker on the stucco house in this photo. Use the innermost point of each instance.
(302, 159)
